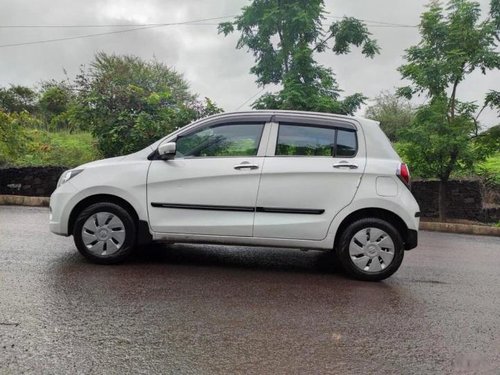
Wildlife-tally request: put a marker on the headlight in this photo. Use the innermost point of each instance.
(68, 175)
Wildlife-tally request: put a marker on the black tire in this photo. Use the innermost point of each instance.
(348, 265)
(129, 226)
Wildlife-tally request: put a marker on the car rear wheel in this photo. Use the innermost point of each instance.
(104, 233)
(370, 249)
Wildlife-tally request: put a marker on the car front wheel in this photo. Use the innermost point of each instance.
(370, 249)
(104, 233)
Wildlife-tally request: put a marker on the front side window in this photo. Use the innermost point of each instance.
(309, 140)
(221, 140)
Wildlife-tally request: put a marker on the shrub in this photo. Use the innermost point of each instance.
(45, 148)
(12, 133)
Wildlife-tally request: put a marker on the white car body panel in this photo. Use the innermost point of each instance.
(308, 183)
(123, 177)
(203, 182)
(283, 184)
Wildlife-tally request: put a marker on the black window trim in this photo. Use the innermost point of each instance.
(314, 120)
(312, 125)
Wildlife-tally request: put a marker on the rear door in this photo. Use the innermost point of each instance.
(311, 172)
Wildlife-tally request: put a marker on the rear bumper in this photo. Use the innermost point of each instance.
(411, 240)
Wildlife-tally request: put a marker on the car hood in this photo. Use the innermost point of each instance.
(102, 162)
(140, 155)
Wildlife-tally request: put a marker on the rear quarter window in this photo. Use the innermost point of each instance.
(347, 144)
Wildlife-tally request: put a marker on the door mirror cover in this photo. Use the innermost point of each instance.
(167, 151)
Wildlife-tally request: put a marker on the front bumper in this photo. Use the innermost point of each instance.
(60, 210)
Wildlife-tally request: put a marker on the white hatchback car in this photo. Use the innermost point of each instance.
(264, 178)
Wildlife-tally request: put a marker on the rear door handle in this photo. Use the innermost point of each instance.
(246, 165)
(345, 165)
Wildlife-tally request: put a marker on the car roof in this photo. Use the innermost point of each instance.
(289, 116)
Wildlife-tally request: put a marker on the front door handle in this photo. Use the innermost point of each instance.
(344, 164)
(246, 165)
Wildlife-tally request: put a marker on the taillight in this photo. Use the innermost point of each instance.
(404, 174)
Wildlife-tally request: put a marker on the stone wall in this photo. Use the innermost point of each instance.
(31, 181)
(465, 200)
(490, 215)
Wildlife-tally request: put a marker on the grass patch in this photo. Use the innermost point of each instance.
(492, 164)
(45, 148)
(490, 168)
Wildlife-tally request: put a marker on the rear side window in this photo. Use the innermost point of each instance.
(309, 140)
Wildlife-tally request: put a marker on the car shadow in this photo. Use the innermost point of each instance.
(155, 256)
(258, 258)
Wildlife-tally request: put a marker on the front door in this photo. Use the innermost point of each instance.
(211, 185)
(314, 173)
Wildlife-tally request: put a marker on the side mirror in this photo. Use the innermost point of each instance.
(167, 151)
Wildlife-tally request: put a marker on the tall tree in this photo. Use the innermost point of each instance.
(16, 99)
(55, 105)
(455, 42)
(55, 98)
(128, 103)
(393, 112)
(284, 37)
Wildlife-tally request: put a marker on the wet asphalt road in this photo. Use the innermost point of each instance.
(188, 309)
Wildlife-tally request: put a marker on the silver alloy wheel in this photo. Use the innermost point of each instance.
(103, 233)
(371, 250)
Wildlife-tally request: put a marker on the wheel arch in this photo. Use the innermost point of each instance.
(379, 213)
(143, 234)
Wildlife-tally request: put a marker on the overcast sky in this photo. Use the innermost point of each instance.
(210, 62)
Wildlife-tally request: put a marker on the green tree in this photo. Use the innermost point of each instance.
(284, 36)
(489, 140)
(56, 103)
(393, 112)
(16, 99)
(455, 42)
(128, 103)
